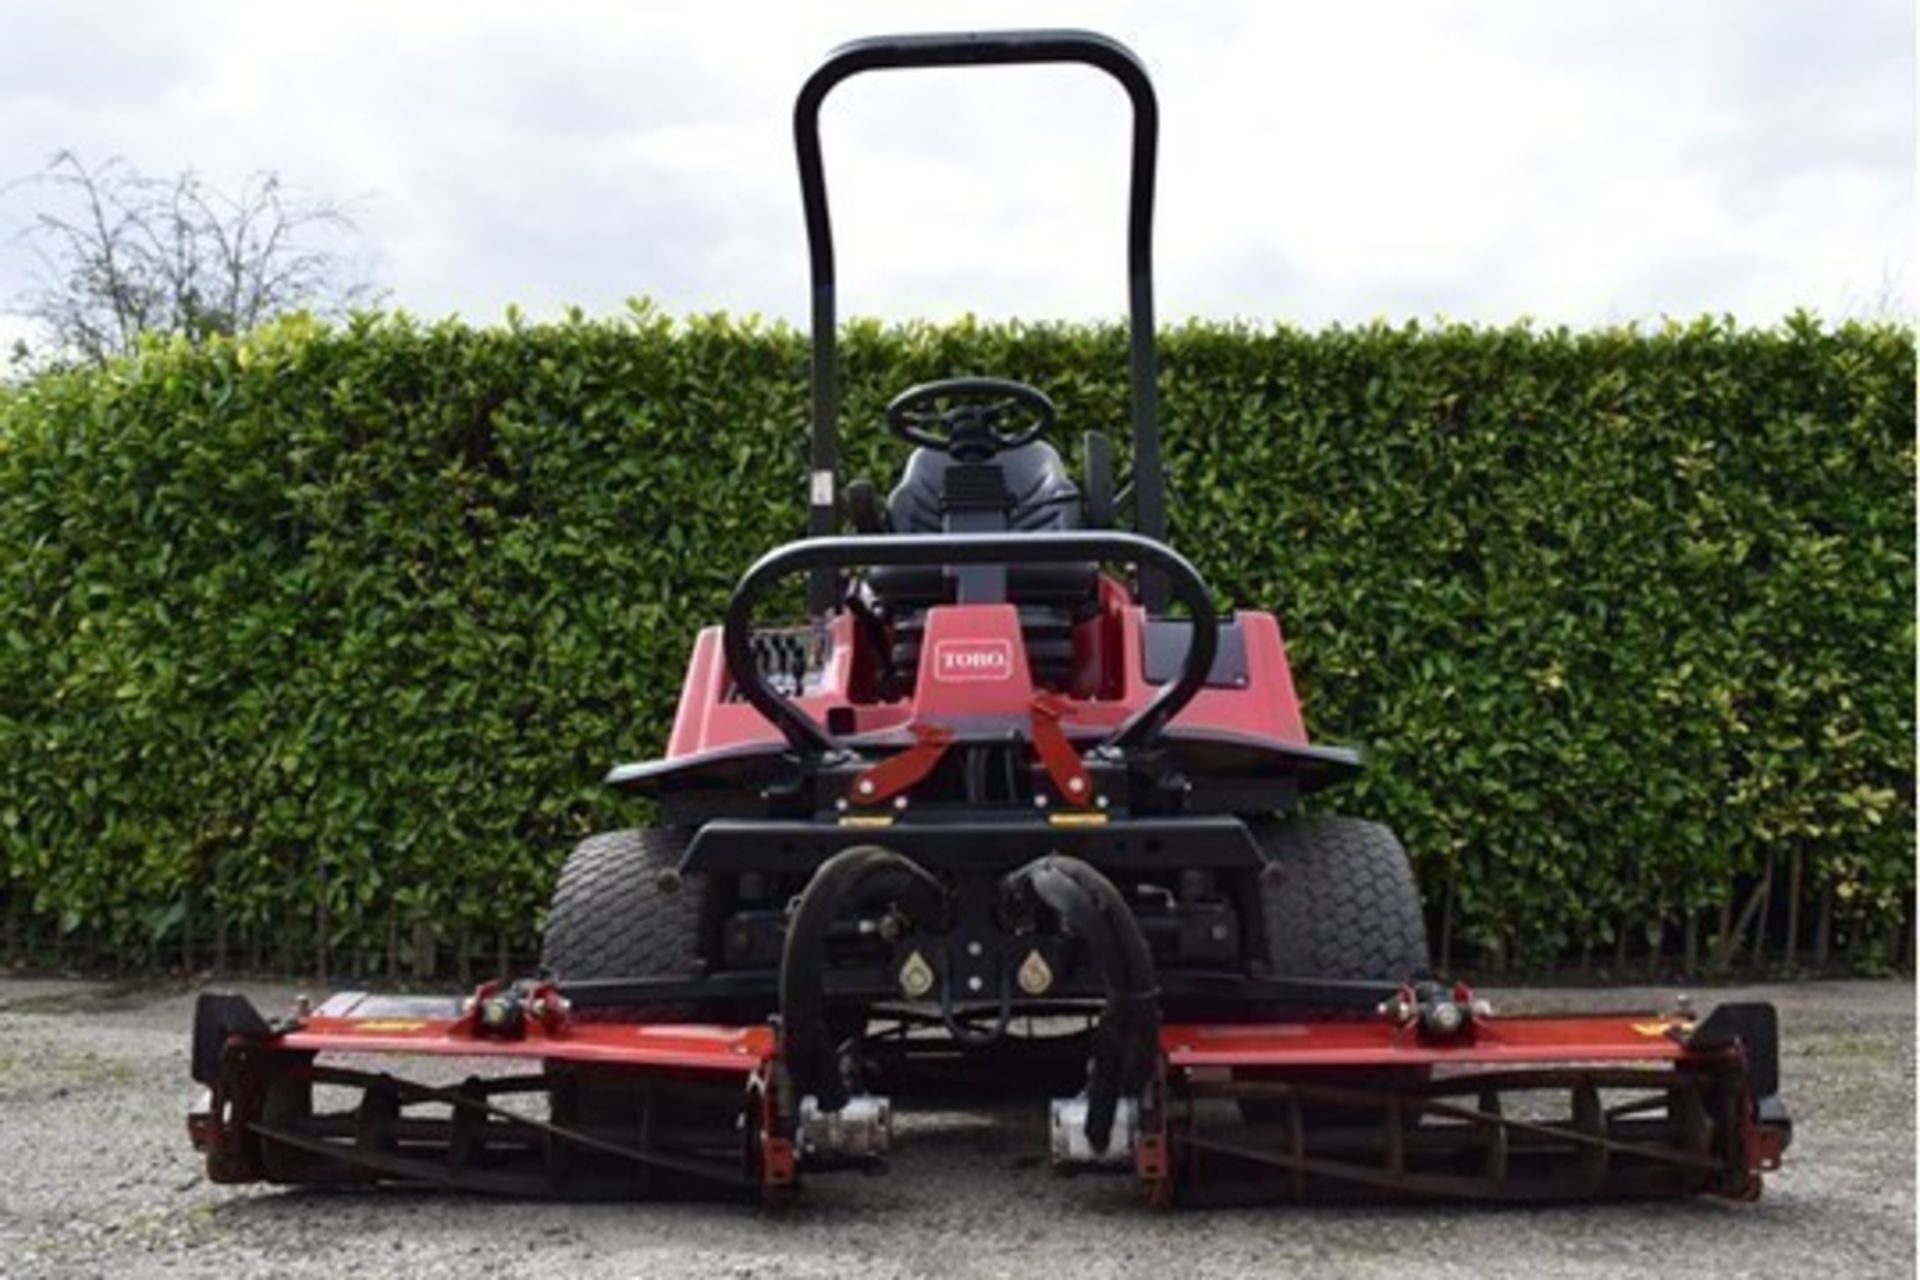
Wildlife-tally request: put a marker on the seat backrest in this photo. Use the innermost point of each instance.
(1041, 495)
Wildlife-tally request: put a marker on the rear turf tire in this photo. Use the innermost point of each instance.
(1340, 902)
(612, 919)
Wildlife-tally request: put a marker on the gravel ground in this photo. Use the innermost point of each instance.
(96, 1178)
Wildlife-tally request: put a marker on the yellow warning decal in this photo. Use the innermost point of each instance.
(865, 820)
(1077, 819)
(1657, 1028)
(390, 1024)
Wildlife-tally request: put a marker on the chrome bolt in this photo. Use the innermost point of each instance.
(1396, 1010)
(866, 786)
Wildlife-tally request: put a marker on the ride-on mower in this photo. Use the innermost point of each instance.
(990, 822)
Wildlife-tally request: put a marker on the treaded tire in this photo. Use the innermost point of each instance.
(611, 920)
(1344, 904)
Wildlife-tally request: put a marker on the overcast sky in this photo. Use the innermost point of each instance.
(1587, 161)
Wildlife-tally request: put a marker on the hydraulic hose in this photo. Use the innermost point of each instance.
(808, 1050)
(1126, 1042)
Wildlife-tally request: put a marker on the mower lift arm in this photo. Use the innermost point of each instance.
(809, 739)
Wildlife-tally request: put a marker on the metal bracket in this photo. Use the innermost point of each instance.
(896, 773)
(1063, 764)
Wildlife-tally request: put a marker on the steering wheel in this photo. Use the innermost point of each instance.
(970, 425)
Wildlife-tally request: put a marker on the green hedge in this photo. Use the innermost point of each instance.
(314, 644)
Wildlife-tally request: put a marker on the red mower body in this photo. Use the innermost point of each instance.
(979, 678)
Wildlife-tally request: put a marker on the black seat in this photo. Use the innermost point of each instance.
(1040, 497)
(1040, 494)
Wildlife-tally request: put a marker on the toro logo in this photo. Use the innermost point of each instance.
(973, 660)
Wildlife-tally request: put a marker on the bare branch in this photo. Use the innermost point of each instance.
(121, 254)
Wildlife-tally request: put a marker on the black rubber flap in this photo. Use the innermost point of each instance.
(218, 1016)
(1755, 1025)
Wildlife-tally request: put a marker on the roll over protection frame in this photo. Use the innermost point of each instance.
(1004, 48)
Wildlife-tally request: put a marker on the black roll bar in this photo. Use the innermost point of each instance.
(971, 50)
(810, 739)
